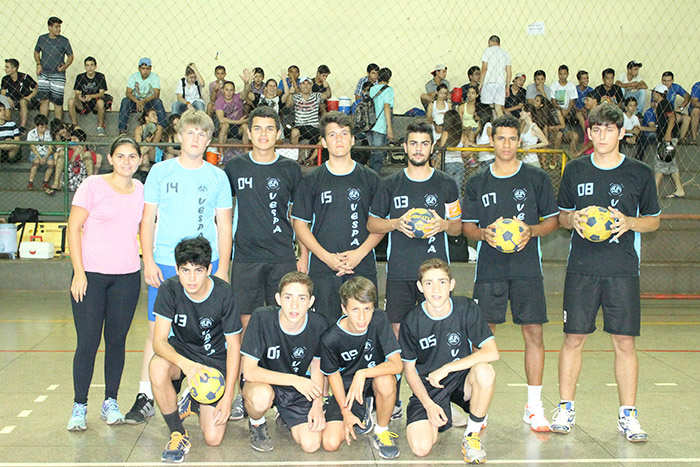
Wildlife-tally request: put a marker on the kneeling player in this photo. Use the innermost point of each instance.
(441, 366)
(281, 365)
(196, 310)
(360, 351)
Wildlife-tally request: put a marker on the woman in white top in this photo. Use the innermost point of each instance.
(437, 109)
(483, 115)
(188, 92)
(531, 136)
(452, 138)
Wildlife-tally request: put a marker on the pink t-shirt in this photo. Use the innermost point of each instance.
(109, 243)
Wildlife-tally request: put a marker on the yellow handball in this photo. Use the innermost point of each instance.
(418, 219)
(508, 235)
(598, 224)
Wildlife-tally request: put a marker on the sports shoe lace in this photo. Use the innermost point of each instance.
(632, 424)
(473, 442)
(177, 441)
(110, 405)
(385, 437)
(79, 410)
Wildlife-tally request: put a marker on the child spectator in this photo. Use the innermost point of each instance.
(142, 93)
(292, 80)
(632, 84)
(632, 126)
(21, 89)
(49, 53)
(467, 110)
(229, 112)
(538, 87)
(517, 97)
(40, 154)
(439, 77)
(372, 75)
(216, 88)
(383, 130)
(582, 91)
(8, 132)
(90, 95)
(148, 131)
(188, 92)
(257, 85)
(608, 91)
(81, 161)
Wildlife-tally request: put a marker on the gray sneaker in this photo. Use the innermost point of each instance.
(259, 439)
(100, 131)
(472, 450)
(237, 408)
(385, 444)
(141, 410)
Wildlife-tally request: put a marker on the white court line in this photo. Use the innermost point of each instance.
(665, 384)
(7, 429)
(52, 387)
(517, 384)
(41, 398)
(24, 414)
(97, 385)
(612, 385)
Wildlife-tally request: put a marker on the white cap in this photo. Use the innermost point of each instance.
(660, 88)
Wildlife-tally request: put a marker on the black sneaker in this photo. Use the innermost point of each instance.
(367, 417)
(259, 439)
(143, 408)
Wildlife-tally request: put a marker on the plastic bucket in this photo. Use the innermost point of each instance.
(8, 239)
(213, 156)
(344, 104)
(332, 104)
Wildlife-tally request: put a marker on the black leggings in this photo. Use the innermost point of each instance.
(111, 300)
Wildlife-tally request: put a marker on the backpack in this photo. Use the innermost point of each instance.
(365, 113)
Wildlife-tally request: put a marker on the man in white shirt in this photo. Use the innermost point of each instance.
(496, 75)
(633, 85)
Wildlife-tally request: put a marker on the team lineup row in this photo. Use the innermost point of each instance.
(339, 212)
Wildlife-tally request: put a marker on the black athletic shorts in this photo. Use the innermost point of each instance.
(291, 405)
(326, 287)
(332, 409)
(585, 294)
(527, 301)
(453, 391)
(401, 297)
(255, 284)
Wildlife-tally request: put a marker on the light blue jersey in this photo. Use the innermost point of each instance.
(187, 200)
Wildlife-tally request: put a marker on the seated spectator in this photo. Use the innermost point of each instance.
(216, 88)
(591, 100)
(647, 136)
(474, 75)
(7, 104)
(21, 89)
(53, 55)
(148, 131)
(609, 91)
(383, 129)
(188, 94)
(633, 85)
(676, 90)
(531, 135)
(582, 91)
(439, 76)
(632, 126)
(516, 98)
(563, 93)
(372, 75)
(436, 110)
(231, 115)
(538, 87)
(82, 162)
(552, 121)
(40, 154)
(257, 84)
(8, 132)
(169, 136)
(306, 105)
(667, 135)
(483, 116)
(451, 137)
(694, 112)
(320, 81)
(467, 110)
(90, 95)
(142, 93)
(268, 97)
(292, 81)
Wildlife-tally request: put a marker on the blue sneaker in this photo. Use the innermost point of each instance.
(110, 412)
(397, 412)
(177, 447)
(78, 417)
(385, 443)
(186, 406)
(367, 418)
(563, 419)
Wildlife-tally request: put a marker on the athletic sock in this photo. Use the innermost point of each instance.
(145, 388)
(380, 429)
(174, 423)
(626, 407)
(474, 424)
(257, 422)
(534, 395)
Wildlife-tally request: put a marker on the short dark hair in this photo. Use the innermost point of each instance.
(384, 75)
(420, 125)
(358, 288)
(606, 114)
(540, 73)
(220, 67)
(257, 69)
(580, 73)
(90, 59)
(264, 111)
(472, 70)
(323, 69)
(372, 67)
(293, 66)
(667, 73)
(79, 133)
(505, 121)
(495, 39)
(53, 20)
(630, 99)
(41, 119)
(229, 82)
(441, 86)
(13, 62)
(122, 140)
(433, 263)
(193, 250)
(608, 71)
(563, 67)
(594, 95)
(296, 277)
(55, 126)
(341, 119)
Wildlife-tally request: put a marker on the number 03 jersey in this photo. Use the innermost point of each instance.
(629, 188)
(433, 342)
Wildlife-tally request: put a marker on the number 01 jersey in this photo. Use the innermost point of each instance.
(629, 188)
(198, 329)
(274, 349)
(432, 342)
(348, 353)
(527, 195)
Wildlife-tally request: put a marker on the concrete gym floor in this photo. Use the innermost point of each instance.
(37, 340)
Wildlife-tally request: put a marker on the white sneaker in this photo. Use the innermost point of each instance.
(458, 420)
(629, 425)
(534, 416)
(564, 419)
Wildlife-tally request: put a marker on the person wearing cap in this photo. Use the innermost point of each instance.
(633, 85)
(667, 136)
(495, 75)
(563, 93)
(306, 105)
(516, 98)
(53, 55)
(675, 90)
(142, 92)
(439, 76)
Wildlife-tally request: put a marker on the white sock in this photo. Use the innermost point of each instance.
(380, 429)
(473, 426)
(257, 422)
(145, 388)
(534, 395)
(626, 407)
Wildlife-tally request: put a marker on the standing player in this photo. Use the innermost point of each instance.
(447, 348)
(604, 274)
(508, 188)
(281, 366)
(361, 357)
(330, 217)
(196, 329)
(188, 195)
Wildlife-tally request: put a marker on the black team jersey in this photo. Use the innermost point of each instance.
(431, 342)
(398, 194)
(274, 349)
(198, 329)
(631, 189)
(337, 208)
(348, 353)
(527, 195)
(263, 195)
